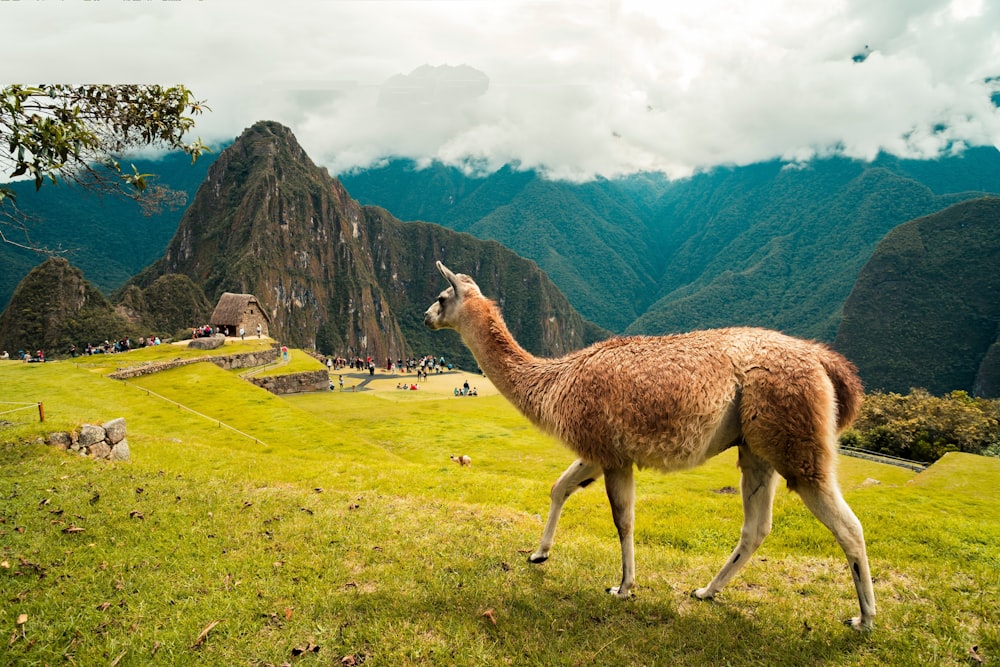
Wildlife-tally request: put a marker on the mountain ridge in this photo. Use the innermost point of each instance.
(769, 244)
(697, 252)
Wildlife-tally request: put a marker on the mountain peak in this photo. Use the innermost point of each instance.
(332, 275)
(54, 307)
(266, 138)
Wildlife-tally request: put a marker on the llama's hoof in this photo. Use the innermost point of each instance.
(860, 624)
(538, 558)
(617, 592)
(703, 594)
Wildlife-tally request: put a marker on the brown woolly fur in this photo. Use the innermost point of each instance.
(672, 402)
(655, 401)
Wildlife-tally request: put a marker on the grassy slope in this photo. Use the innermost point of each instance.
(344, 524)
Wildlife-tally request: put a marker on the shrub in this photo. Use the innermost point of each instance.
(923, 427)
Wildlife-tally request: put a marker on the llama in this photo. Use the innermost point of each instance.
(672, 402)
(462, 460)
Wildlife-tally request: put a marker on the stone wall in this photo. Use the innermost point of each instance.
(247, 359)
(293, 383)
(106, 441)
(290, 383)
(227, 362)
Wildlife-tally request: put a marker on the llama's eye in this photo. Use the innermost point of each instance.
(441, 300)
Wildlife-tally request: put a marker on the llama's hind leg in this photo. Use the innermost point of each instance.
(757, 485)
(828, 505)
(578, 475)
(620, 485)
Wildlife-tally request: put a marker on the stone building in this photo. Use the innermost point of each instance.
(240, 310)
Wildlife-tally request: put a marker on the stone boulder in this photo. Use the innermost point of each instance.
(212, 343)
(100, 450)
(90, 435)
(61, 439)
(293, 383)
(114, 431)
(120, 451)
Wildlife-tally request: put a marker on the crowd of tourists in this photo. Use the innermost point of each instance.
(207, 331)
(422, 366)
(107, 347)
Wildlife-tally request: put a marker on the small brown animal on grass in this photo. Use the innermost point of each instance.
(462, 460)
(672, 402)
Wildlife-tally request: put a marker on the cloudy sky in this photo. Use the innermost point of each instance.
(575, 88)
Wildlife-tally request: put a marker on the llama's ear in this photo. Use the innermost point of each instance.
(449, 276)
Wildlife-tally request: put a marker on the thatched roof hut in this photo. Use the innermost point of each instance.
(237, 311)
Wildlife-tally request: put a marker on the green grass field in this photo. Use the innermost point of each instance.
(339, 532)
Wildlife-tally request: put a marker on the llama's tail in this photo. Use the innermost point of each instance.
(847, 386)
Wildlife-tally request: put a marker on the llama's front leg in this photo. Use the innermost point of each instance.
(757, 486)
(620, 485)
(578, 475)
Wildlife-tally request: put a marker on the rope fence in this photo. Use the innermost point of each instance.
(221, 424)
(25, 406)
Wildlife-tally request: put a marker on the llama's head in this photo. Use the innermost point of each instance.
(445, 312)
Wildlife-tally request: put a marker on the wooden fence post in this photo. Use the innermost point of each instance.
(41, 412)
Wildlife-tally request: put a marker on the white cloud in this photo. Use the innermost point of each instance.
(575, 88)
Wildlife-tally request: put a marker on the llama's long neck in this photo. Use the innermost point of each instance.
(503, 360)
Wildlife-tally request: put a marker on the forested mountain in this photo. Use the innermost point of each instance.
(108, 237)
(768, 244)
(925, 310)
(55, 307)
(777, 247)
(592, 239)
